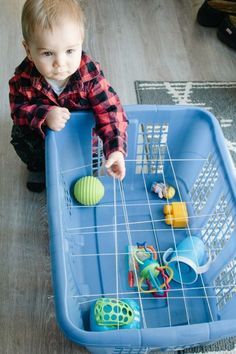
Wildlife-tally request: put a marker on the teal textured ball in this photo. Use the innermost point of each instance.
(88, 190)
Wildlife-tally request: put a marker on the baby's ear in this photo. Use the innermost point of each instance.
(26, 46)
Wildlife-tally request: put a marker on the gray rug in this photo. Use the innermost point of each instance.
(217, 97)
(220, 99)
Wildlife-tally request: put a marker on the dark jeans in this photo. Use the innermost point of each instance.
(29, 146)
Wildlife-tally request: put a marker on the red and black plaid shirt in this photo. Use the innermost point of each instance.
(31, 98)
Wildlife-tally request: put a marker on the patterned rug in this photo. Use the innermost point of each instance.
(217, 97)
(220, 99)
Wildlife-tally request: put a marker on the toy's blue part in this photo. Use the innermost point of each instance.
(141, 244)
(186, 146)
(156, 283)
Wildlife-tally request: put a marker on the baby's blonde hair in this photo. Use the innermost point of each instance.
(44, 14)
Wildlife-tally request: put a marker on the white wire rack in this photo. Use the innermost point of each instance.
(127, 226)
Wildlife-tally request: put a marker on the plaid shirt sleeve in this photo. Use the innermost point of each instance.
(111, 120)
(22, 111)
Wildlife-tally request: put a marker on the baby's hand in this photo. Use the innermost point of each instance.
(115, 165)
(57, 118)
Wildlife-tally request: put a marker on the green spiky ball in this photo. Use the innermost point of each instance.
(88, 190)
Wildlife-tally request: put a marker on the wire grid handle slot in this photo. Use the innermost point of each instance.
(225, 284)
(151, 148)
(204, 184)
(219, 227)
(97, 158)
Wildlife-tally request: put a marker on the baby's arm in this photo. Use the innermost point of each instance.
(111, 124)
(24, 111)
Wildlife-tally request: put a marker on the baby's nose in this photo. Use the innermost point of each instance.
(59, 61)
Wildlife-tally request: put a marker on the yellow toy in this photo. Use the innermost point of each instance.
(176, 214)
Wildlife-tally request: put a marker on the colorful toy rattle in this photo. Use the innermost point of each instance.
(151, 276)
(163, 190)
(109, 314)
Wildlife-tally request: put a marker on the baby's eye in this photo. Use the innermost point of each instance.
(47, 54)
(69, 51)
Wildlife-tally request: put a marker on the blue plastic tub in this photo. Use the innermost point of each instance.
(178, 145)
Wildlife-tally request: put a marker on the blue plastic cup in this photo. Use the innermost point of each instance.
(187, 261)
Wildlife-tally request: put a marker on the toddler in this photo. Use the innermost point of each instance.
(57, 77)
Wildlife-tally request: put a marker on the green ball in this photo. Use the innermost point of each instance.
(88, 190)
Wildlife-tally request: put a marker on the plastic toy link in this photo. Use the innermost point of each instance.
(109, 314)
(151, 276)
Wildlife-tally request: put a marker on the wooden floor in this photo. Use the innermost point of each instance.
(133, 40)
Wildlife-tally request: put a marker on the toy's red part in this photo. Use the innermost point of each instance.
(131, 278)
(155, 294)
(153, 251)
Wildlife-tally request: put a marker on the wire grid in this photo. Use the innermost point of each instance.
(151, 148)
(152, 153)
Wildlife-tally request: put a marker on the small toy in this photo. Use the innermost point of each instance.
(163, 190)
(88, 190)
(109, 314)
(176, 214)
(151, 276)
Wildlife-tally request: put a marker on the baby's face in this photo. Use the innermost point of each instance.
(56, 54)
